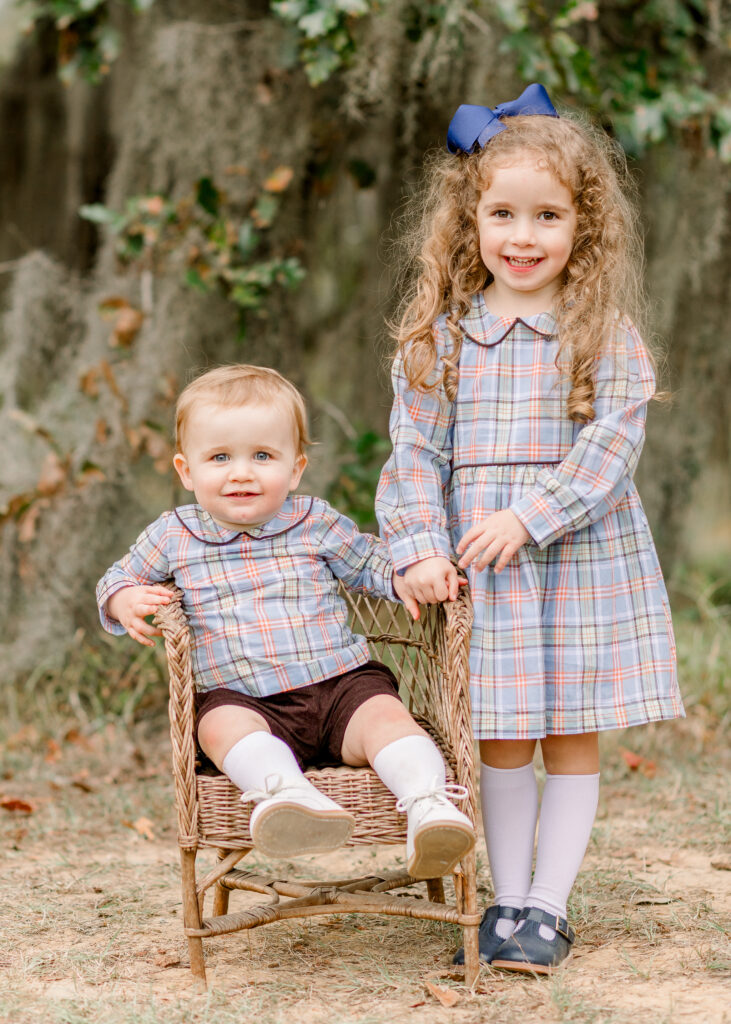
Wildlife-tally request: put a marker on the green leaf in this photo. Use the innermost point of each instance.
(248, 239)
(194, 280)
(318, 23)
(356, 8)
(208, 197)
(265, 210)
(97, 213)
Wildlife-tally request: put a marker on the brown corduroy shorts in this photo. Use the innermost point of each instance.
(311, 720)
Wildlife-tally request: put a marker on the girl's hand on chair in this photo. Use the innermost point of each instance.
(405, 596)
(497, 537)
(130, 605)
(431, 581)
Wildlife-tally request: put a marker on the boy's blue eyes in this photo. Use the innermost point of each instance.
(221, 457)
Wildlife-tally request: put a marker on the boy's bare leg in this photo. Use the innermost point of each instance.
(376, 723)
(223, 727)
(382, 733)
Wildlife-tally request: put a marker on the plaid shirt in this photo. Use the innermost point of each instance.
(262, 604)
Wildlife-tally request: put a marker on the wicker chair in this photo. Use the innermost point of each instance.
(431, 659)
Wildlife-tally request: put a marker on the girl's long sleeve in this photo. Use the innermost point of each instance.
(591, 480)
(410, 501)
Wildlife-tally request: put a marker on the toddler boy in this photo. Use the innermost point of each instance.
(282, 681)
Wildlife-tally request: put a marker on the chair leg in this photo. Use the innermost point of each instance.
(471, 932)
(220, 892)
(435, 890)
(191, 913)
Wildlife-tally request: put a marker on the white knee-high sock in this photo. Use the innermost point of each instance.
(410, 766)
(255, 757)
(509, 798)
(568, 809)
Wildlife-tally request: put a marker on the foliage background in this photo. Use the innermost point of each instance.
(238, 165)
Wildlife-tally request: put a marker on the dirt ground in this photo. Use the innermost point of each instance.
(91, 917)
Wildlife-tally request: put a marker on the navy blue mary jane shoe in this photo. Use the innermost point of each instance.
(526, 950)
(490, 941)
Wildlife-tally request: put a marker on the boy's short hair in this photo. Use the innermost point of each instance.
(237, 384)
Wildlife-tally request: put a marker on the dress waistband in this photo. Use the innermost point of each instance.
(490, 465)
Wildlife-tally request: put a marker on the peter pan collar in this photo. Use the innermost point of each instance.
(485, 328)
(204, 527)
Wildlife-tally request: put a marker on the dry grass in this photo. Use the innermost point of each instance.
(90, 911)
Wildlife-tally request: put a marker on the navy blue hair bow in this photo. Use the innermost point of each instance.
(474, 126)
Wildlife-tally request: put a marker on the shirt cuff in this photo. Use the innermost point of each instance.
(103, 594)
(539, 519)
(407, 551)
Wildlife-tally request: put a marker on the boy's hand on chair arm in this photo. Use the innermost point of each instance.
(499, 536)
(130, 605)
(428, 582)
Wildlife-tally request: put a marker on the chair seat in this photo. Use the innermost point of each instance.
(223, 820)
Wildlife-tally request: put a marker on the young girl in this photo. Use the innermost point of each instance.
(521, 386)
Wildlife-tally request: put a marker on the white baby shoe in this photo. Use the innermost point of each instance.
(292, 818)
(438, 835)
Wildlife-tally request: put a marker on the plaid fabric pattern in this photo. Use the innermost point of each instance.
(575, 634)
(263, 605)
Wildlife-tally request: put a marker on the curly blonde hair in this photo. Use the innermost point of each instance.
(603, 276)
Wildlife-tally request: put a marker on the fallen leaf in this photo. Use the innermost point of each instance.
(81, 781)
(163, 959)
(126, 326)
(78, 739)
(14, 803)
(89, 382)
(28, 523)
(446, 996)
(632, 760)
(721, 865)
(108, 374)
(54, 473)
(109, 307)
(53, 751)
(279, 179)
(636, 762)
(652, 899)
(101, 431)
(143, 826)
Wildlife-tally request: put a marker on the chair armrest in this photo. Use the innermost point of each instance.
(450, 705)
(176, 634)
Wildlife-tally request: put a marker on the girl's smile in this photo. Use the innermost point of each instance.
(526, 220)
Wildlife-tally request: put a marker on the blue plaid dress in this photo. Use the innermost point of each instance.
(574, 635)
